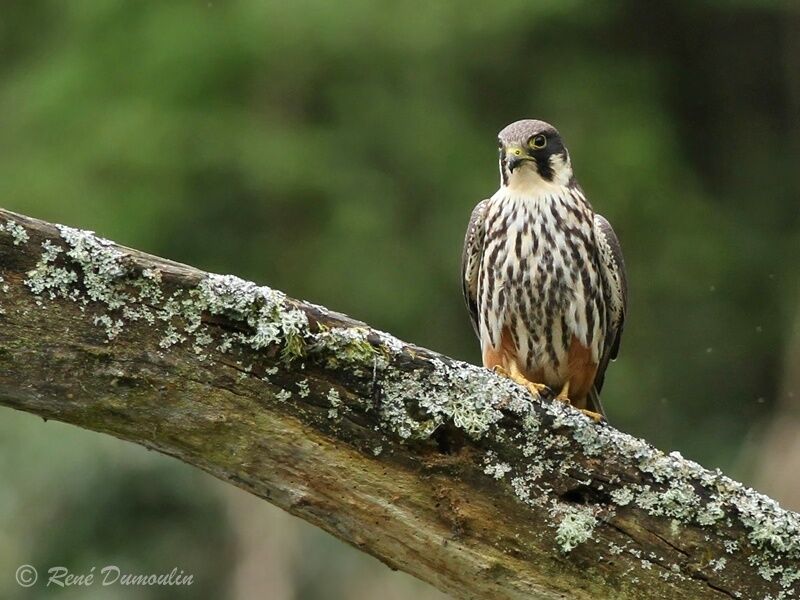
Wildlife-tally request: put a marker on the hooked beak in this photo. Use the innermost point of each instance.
(514, 156)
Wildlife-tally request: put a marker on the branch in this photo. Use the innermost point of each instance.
(436, 467)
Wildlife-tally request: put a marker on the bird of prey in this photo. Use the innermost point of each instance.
(543, 274)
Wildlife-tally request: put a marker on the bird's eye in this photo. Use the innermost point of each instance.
(537, 142)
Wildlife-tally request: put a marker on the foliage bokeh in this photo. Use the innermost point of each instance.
(335, 150)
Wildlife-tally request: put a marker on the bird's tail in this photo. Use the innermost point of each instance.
(593, 403)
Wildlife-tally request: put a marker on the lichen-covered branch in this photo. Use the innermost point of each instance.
(436, 467)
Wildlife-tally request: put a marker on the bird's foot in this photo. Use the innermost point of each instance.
(534, 389)
(563, 395)
(596, 417)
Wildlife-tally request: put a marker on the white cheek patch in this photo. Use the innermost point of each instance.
(562, 169)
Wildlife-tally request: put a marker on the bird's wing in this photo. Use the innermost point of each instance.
(616, 291)
(471, 260)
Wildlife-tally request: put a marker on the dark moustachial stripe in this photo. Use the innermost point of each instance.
(543, 166)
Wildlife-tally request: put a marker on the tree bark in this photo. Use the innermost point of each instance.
(436, 467)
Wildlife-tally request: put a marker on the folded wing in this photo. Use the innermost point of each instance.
(615, 289)
(471, 260)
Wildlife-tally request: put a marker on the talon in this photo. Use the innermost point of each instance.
(563, 395)
(534, 389)
(502, 371)
(596, 417)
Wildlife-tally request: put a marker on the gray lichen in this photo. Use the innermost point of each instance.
(102, 279)
(17, 232)
(47, 277)
(622, 496)
(494, 467)
(335, 401)
(468, 397)
(718, 564)
(774, 532)
(575, 525)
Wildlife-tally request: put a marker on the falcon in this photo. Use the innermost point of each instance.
(543, 274)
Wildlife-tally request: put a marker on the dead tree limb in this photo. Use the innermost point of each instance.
(436, 467)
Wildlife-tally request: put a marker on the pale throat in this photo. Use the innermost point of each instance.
(526, 182)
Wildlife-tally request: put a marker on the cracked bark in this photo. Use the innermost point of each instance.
(336, 454)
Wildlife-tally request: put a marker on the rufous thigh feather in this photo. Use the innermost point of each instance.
(582, 371)
(506, 356)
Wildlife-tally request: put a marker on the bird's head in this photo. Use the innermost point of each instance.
(532, 155)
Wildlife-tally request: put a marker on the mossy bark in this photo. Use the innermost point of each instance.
(437, 468)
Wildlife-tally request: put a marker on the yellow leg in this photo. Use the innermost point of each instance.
(535, 389)
(596, 417)
(563, 395)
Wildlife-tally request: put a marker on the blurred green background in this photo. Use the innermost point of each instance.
(334, 151)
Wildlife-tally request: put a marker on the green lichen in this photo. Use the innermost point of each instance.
(347, 346)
